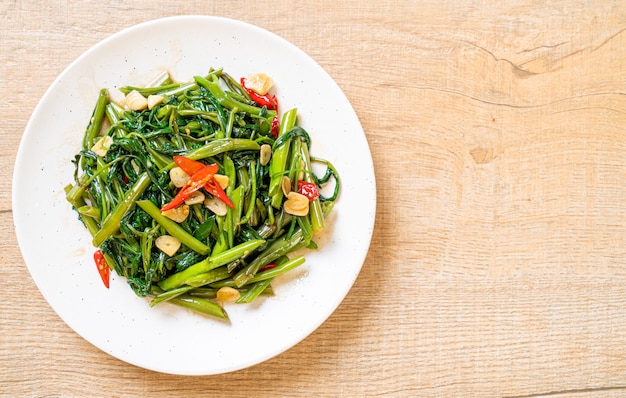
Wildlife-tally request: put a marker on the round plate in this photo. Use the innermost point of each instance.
(57, 248)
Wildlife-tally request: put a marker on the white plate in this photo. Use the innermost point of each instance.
(57, 249)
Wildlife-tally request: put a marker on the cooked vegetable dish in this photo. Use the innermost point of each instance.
(199, 193)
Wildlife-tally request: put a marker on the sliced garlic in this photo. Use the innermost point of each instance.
(260, 83)
(265, 154)
(286, 185)
(135, 101)
(117, 97)
(228, 294)
(296, 204)
(216, 206)
(101, 147)
(195, 198)
(178, 214)
(222, 180)
(167, 244)
(135, 165)
(178, 177)
(154, 100)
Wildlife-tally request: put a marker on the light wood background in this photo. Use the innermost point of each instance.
(497, 269)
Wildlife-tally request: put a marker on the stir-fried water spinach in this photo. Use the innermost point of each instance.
(199, 193)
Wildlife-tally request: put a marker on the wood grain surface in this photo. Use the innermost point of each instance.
(497, 266)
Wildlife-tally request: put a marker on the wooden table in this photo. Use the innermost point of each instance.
(497, 266)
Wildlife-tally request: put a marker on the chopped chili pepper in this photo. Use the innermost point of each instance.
(103, 267)
(309, 190)
(189, 166)
(275, 126)
(216, 190)
(268, 266)
(198, 180)
(269, 101)
(192, 167)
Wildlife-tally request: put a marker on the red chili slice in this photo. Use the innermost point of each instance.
(267, 267)
(214, 188)
(270, 102)
(275, 126)
(193, 168)
(309, 190)
(189, 166)
(103, 267)
(196, 182)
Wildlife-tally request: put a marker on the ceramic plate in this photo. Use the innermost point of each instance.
(57, 249)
